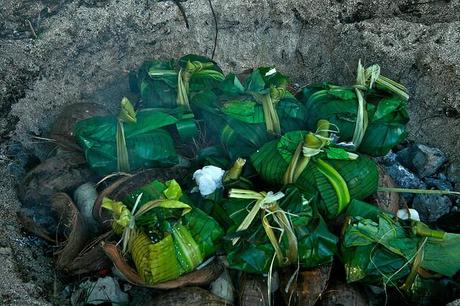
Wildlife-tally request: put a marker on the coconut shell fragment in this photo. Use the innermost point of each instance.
(191, 296)
(308, 288)
(387, 201)
(125, 185)
(61, 173)
(203, 276)
(74, 227)
(63, 128)
(342, 295)
(253, 290)
(91, 258)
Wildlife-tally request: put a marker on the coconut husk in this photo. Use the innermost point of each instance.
(387, 201)
(253, 290)
(342, 294)
(124, 186)
(203, 276)
(78, 255)
(61, 173)
(74, 227)
(307, 289)
(63, 128)
(191, 296)
(91, 259)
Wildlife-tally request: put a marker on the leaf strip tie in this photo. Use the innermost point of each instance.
(310, 147)
(126, 115)
(185, 75)
(267, 204)
(365, 80)
(269, 101)
(415, 266)
(126, 219)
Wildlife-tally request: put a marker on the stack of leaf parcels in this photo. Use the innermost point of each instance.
(306, 164)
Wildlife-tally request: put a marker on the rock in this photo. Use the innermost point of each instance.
(404, 157)
(431, 207)
(454, 303)
(422, 159)
(85, 196)
(453, 174)
(223, 287)
(103, 290)
(401, 176)
(439, 184)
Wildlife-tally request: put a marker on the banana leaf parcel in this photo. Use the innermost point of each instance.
(164, 236)
(133, 140)
(245, 116)
(379, 249)
(171, 83)
(327, 174)
(371, 115)
(275, 230)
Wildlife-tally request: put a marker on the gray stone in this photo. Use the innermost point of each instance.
(424, 160)
(401, 176)
(427, 160)
(454, 303)
(438, 184)
(101, 291)
(404, 157)
(453, 173)
(431, 207)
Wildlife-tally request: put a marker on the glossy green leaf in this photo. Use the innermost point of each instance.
(254, 253)
(387, 115)
(148, 143)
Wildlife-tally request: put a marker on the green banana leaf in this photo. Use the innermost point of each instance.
(254, 253)
(157, 81)
(148, 142)
(205, 230)
(237, 113)
(272, 160)
(167, 237)
(381, 250)
(387, 114)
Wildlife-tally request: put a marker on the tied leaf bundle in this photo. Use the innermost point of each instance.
(170, 83)
(274, 230)
(371, 115)
(132, 141)
(245, 116)
(165, 237)
(330, 175)
(378, 249)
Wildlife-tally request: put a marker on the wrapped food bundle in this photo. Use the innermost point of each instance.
(133, 140)
(276, 230)
(371, 115)
(245, 116)
(171, 84)
(164, 236)
(329, 174)
(378, 249)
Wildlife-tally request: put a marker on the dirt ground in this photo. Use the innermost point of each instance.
(57, 52)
